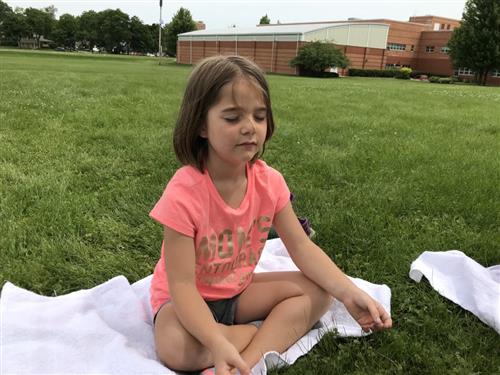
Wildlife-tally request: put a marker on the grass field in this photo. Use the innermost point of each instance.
(384, 169)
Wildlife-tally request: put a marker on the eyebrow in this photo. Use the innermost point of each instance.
(235, 109)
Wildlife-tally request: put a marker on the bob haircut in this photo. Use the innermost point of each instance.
(202, 92)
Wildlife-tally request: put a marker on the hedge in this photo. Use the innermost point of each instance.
(373, 72)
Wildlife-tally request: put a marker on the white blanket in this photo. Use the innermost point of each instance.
(108, 329)
(463, 281)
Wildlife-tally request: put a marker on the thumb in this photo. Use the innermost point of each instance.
(375, 314)
(242, 366)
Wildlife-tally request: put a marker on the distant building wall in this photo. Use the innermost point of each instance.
(419, 44)
(436, 23)
(272, 56)
(432, 55)
(28, 43)
(34, 43)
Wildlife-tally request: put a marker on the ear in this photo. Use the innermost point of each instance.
(203, 131)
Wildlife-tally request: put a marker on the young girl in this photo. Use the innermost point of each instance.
(217, 211)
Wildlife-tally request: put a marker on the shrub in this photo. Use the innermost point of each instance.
(403, 73)
(445, 80)
(373, 72)
(316, 57)
(325, 74)
(418, 73)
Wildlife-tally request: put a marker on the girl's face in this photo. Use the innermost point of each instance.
(236, 125)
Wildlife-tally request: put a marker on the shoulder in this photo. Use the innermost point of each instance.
(181, 201)
(186, 178)
(266, 173)
(270, 183)
(187, 187)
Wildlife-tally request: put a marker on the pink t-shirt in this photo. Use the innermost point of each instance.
(228, 241)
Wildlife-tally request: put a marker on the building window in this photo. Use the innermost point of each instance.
(496, 73)
(412, 48)
(429, 49)
(463, 72)
(442, 26)
(396, 47)
(445, 49)
(392, 66)
(448, 27)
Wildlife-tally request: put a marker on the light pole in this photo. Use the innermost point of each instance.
(159, 34)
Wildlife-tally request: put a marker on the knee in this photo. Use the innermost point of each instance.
(175, 347)
(171, 357)
(320, 298)
(176, 360)
(177, 354)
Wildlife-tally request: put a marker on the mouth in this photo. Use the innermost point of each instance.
(248, 144)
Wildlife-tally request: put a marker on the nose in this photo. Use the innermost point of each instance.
(248, 125)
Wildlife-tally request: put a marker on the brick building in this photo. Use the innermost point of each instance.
(419, 44)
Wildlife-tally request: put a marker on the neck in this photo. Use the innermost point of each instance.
(224, 171)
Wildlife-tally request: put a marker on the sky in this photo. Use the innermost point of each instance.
(247, 13)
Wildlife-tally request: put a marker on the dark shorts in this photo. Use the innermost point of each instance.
(223, 310)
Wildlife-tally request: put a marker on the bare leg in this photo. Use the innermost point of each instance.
(289, 302)
(295, 305)
(179, 350)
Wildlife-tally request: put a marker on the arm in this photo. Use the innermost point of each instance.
(318, 267)
(190, 308)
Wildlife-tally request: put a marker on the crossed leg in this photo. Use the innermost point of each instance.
(179, 350)
(289, 302)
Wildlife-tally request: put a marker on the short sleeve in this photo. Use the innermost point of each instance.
(280, 188)
(174, 210)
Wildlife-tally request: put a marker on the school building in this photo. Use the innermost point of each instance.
(419, 44)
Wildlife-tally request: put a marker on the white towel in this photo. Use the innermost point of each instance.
(108, 329)
(462, 280)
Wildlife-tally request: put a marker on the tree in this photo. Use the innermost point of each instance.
(182, 22)
(114, 32)
(476, 43)
(153, 31)
(5, 11)
(264, 20)
(40, 22)
(317, 56)
(88, 29)
(51, 10)
(140, 38)
(65, 31)
(12, 25)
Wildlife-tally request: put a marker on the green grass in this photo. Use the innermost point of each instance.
(385, 169)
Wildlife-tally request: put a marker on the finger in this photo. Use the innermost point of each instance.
(387, 322)
(219, 370)
(242, 366)
(386, 318)
(374, 313)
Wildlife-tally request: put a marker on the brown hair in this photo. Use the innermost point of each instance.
(202, 92)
